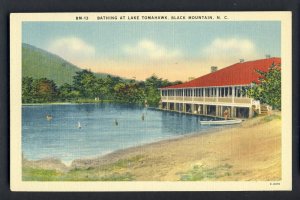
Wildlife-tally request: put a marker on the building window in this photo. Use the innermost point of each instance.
(238, 91)
(207, 90)
(230, 91)
(244, 91)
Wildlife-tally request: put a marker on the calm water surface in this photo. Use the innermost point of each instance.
(61, 138)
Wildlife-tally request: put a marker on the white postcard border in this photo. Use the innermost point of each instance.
(16, 182)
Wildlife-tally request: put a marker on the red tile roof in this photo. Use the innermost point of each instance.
(237, 74)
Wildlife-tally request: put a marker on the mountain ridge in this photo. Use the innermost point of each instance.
(39, 63)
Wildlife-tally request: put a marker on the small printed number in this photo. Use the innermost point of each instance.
(274, 183)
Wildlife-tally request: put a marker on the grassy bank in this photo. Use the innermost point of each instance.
(250, 151)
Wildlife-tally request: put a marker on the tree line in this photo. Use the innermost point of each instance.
(86, 87)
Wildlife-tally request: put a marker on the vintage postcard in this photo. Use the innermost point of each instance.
(162, 101)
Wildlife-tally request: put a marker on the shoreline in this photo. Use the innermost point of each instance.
(61, 103)
(249, 151)
(69, 163)
(122, 152)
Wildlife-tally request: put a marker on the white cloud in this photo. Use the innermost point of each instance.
(147, 49)
(72, 48)
(230, 49)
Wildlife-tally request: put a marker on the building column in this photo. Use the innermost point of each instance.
(250, 112)
(233, 93)
(233, 111)
(217, 94)
(167, 94)
(193, 108)
(193, 94)
(174, 95)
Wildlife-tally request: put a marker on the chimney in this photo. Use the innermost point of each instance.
(213, 69)
(268, 56)
(242, 60)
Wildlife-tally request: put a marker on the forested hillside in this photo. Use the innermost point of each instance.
(38, 63)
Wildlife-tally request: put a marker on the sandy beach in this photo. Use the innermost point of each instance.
(247, 152)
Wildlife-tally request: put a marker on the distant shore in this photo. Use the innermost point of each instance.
(67, 103)
(250, 151)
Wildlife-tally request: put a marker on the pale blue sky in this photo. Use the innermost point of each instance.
(144, 43)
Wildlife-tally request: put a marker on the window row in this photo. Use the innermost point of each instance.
(237, 91)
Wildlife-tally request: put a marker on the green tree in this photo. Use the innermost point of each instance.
(109, 83)
(44, 90)
(67, 92)
(27, 90)
(152, 85)
(101, 89)
(84, 82)
(268, 88)
(129, 93)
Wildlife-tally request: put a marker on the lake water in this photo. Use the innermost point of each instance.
(61, 138)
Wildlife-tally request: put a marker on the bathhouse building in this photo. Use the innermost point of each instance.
(221, 91)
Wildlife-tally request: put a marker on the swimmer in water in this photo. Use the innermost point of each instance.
(49, 117)
(143, 117)
(116, 122)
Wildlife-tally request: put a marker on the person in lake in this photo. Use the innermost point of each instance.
(78, 125)
(143, 117)
(146, 103)
(225, 114)
(116, 122)
(49, 117)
